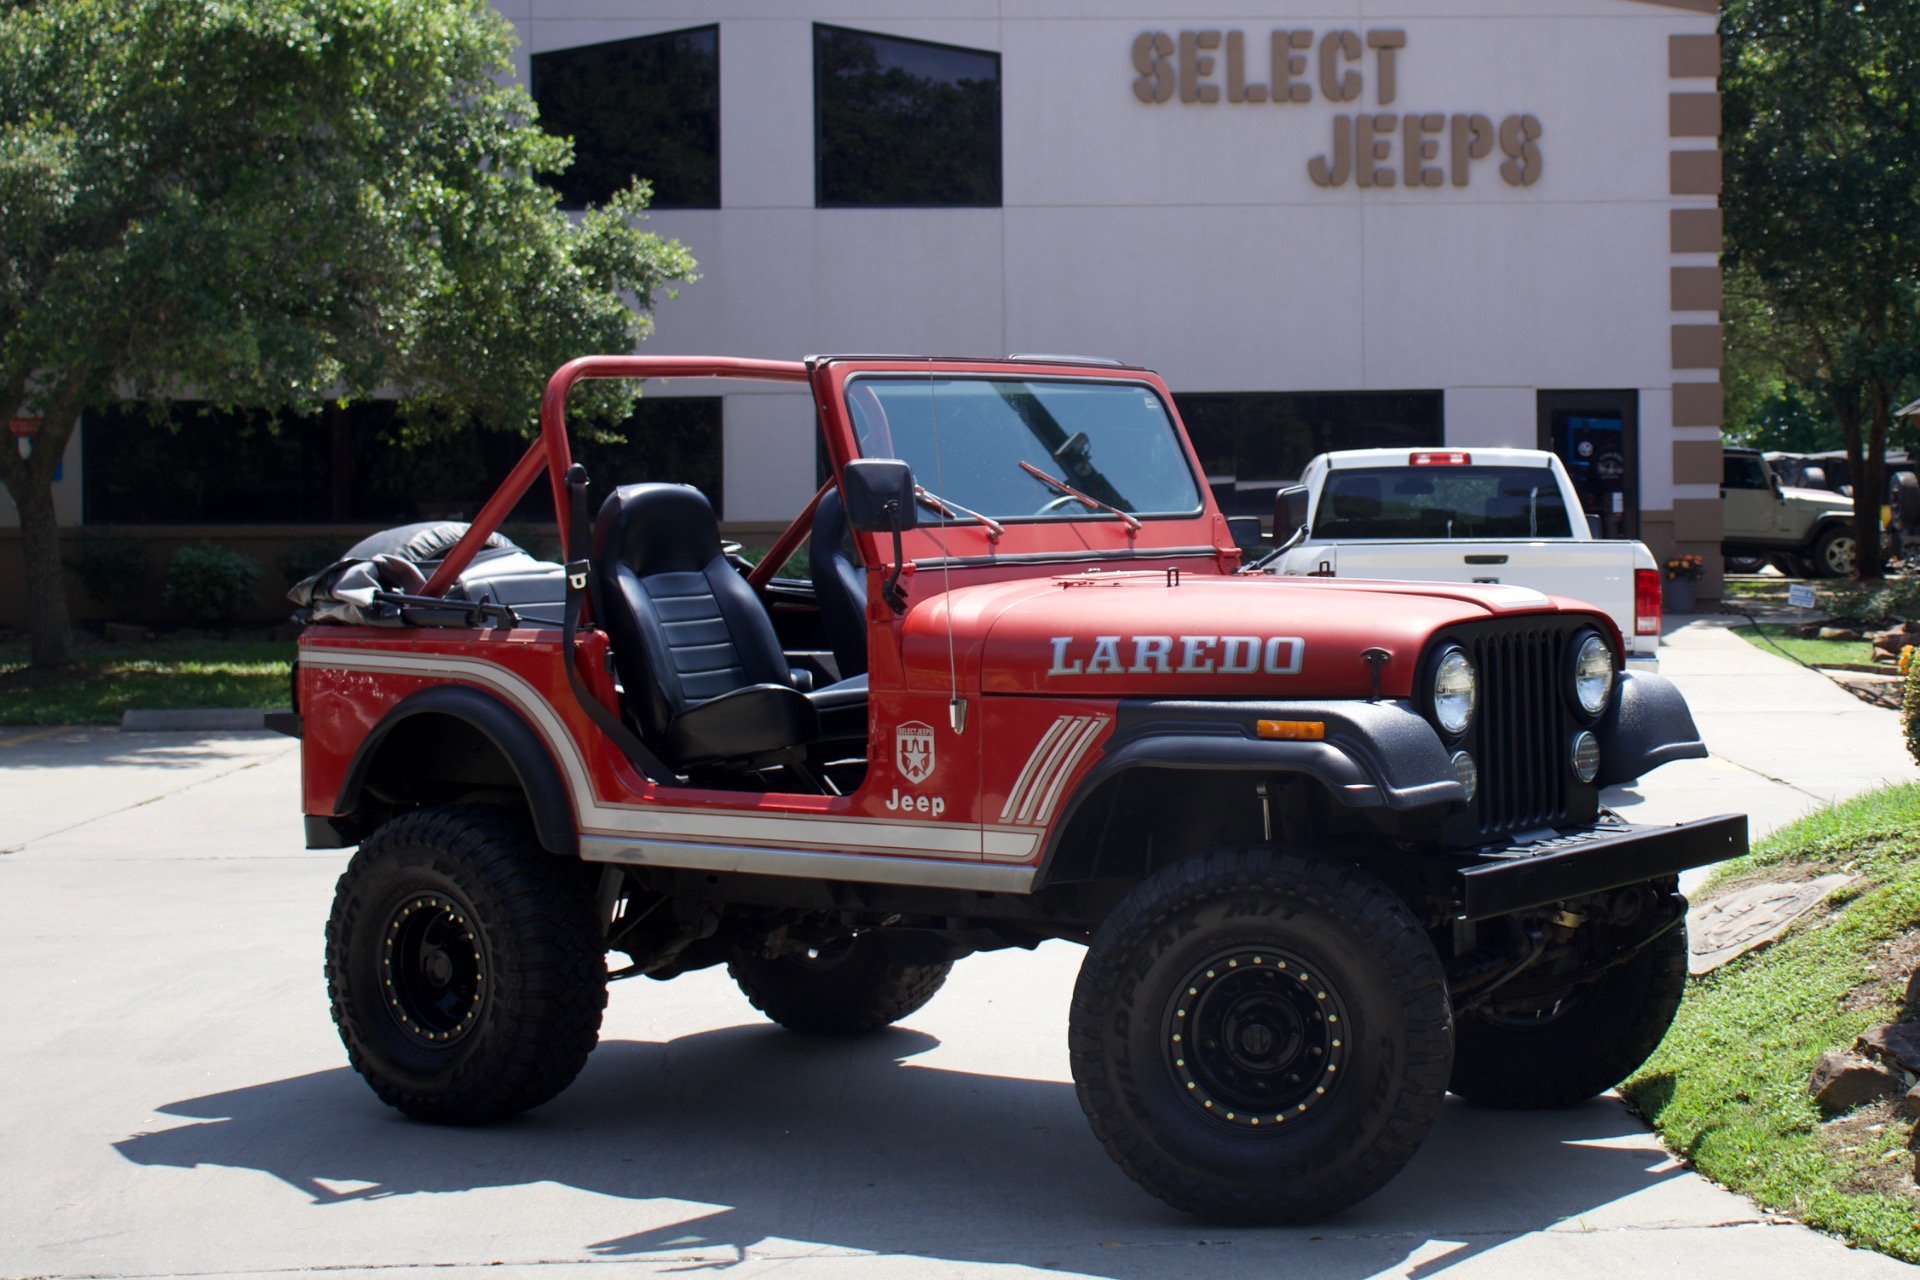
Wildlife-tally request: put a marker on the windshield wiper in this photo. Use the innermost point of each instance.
(1091, 504)
(953, 510)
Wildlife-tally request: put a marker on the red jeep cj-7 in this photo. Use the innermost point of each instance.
(1334, 847)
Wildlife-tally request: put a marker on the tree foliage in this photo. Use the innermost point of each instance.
(281, 203)
(1822, 201)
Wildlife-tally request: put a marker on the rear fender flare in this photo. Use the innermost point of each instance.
(516, 741)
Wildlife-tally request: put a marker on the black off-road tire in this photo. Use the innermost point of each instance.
(851, 987)
(1564, 1047)
(1261, 1037)
(465, 965)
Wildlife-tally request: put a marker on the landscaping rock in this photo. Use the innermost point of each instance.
(1887, 644)
(125, 633)
(1842, 1081)
(1898, 1044)
(1837, 633)
(1913, 1101)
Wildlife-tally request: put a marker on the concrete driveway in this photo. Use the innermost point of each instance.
(175, 1101)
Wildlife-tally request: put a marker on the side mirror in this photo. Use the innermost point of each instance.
(1245, 530)
(878, 495)
(1593, 525)
(879, 498)
(1289, 511)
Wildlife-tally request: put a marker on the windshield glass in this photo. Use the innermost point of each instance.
(965, 439)
(1429, 503)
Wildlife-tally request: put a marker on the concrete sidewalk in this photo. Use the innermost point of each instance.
(1785, 739)
(176, 1100)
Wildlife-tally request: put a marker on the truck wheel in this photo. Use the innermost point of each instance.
(1563, 1047)
(465, 965)
(1745, 564)
(1835, 552)
(1259, 1037)
(846, 988)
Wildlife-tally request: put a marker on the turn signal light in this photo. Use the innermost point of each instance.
(1646, 602)
(1292, 730)
(1450, 459)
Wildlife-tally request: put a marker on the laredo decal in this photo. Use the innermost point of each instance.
(1197, 655)
(913, 750)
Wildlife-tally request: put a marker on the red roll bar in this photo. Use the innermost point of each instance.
(550, 451)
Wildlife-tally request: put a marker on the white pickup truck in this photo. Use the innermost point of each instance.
(1507, 516)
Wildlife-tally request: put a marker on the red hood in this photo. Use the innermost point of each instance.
(1131, 635)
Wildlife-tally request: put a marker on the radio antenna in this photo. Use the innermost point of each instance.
(956, 705)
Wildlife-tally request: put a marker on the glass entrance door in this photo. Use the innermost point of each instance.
(1596, 435)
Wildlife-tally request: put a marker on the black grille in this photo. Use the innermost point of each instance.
(1523, 730)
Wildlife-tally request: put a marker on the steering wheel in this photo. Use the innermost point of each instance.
(1057, 504)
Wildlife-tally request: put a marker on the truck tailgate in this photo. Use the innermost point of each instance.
(1600, 573)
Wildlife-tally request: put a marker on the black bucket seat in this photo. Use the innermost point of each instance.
(701, 671)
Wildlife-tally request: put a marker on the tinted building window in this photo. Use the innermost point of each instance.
(201, 466)
(904, 122)
(1253, 443)
(645, 108)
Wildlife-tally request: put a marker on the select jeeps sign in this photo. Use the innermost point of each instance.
(1288, 68)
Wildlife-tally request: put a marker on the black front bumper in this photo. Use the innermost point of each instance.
(1544, 867)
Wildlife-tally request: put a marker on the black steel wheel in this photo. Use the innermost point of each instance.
(465, 965)
(849, 986)
(1557, 1048)
(1259, 1037)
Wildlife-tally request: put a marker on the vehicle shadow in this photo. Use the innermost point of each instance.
(851, 1145)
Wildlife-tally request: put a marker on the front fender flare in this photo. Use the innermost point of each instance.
(1647, 725)
(517, 742)
(1374, 755)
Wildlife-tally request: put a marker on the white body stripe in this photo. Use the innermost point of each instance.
(1045, 774)
(673, 836)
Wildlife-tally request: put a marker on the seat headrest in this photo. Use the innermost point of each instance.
(657, 528)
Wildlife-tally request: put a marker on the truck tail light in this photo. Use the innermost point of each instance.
(1445, 459)
(1646, 602)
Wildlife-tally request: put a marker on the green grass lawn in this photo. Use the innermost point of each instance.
(1774, 637)
(156, 675)
(1727, 1089)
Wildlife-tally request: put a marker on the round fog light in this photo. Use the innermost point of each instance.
(1586, 756)
(1467, 774)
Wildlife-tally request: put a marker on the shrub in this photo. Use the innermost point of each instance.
(210, 582)
(1910, 706)
(1873, 603)
(298, 563)
(110, 568)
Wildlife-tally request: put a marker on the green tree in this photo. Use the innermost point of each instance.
(281, 204)
(1822, 205)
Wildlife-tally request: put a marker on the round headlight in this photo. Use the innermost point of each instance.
(1586, 756)
(1592, 674)
(1453, 691)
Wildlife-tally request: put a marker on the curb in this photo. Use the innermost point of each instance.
(229, 718)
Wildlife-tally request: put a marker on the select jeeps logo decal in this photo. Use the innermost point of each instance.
(913, 750)
(1177, 655)
(1037, 789)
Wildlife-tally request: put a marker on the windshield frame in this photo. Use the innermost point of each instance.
(1075, 512)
